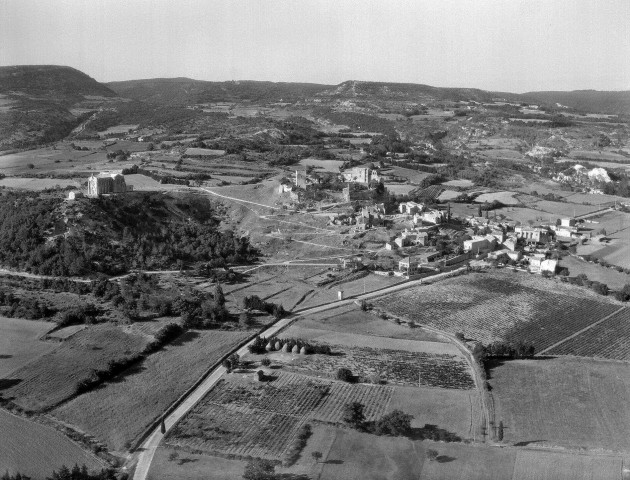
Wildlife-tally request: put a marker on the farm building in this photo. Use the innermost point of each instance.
(538, 264)
(105, 183)
(410, 207)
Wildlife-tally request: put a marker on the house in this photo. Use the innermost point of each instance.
(285, 188)
(410, 207)
(303, 179)
(432, 216)
(360, 175)
(390, 245)
(567, 222)
(73, 195)
(533, 235)
(539, 264)
(353, 192)
(409, 266)
(106, 183)
(351, 263)
(478, 244)
(511, 243)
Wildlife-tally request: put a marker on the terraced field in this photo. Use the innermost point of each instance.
(244, 417)
(501, 306)
(610, 339)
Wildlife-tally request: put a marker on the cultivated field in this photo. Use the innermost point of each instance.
(610, 339)
(243, 417)
(396, 367)
(54, 377)
(501, 305)
(35, 450)
(20, 344)
(570, 402)
(37, 184)
(532, 465)
(119, 411)
(611, 277)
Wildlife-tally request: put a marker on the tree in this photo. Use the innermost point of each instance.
(258, 469)
(431, 454)
(501, 431)
(162, 426)
(316, 455)
(245, 320)
(353, 414)
(345, 375)
(396, 423)
(219, 298)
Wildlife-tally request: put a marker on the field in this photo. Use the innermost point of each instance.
(118, 129)
(20, 344)
(570, 402)
(506, 198)
(501, 306)
(37, 184)
(66, 332)
(611, 277)
(191, 466)
(243, 417)
(351, 320)
(119, 411)
(368, 341)
(610, 339)
(360, 456)
(396, 367)
(53, 377)
(35, 450)
(325, 165)
(532, 465)
(457, 461)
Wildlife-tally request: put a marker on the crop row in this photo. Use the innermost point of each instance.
(610, 339)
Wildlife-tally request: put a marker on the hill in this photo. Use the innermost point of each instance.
(186, 91)
(408, 91)
(586, 100)
(150, 231)
(37, 102)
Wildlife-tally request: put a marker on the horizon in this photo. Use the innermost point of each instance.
(512, 47)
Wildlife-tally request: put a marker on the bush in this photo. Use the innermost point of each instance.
(265, 362)
(345, 375)
(395, 423)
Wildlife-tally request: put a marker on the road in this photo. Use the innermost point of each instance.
(149, 446)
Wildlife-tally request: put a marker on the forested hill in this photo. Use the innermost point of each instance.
(185, 91)
(586, 100)
(43, 234)
(50, 82)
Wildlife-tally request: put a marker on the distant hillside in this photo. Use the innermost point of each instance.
(35, 103)
(408, 92)
(586, 100)
(185, 91)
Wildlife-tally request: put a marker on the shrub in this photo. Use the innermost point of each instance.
(265, 362)
(395, 423)
(353, 414)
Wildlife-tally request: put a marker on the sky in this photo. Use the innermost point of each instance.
(500, 45)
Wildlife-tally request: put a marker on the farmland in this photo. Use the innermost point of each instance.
(528, 309)
(119, 411)
(20, 344)
(243, 417)
(397, 367)
(351, 320)
(610, 339)
(36, 450)
(54, 377)
(576, 403)
(531, 465)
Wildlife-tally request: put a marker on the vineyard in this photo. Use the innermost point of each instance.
(246, 418)
(395, 367)
(500, 306)
(610, 339)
